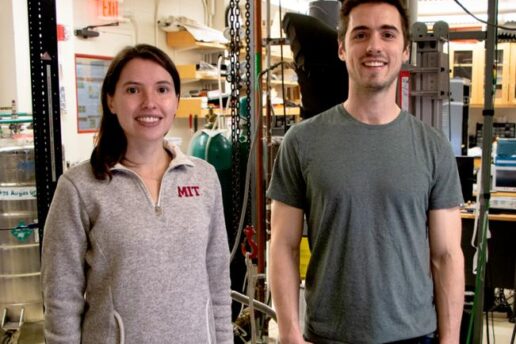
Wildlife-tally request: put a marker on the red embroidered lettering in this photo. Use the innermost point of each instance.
(196, 189)
(182, 191)
(188, 191)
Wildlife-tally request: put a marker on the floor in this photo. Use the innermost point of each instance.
(500, 329)
(32, 333)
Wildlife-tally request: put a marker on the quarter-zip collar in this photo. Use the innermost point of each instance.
(178, 159)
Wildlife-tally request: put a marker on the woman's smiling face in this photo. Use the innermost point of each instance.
(144, 101)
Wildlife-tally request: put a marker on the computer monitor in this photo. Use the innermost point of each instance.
(504, 178)
(465, 165)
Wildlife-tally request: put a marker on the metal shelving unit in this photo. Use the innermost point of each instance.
(45, 101)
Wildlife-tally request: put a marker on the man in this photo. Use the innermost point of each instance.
(381, 195)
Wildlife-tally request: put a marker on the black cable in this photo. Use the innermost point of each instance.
(273, 66)
(493, 327)
(487, 326)
(29, 226)
(7, 336)
(101, 25)
(483, 21)
(513, 334)
(449, 99)
(489, 283)
(282, 75)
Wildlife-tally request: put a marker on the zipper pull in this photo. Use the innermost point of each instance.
(158, 210)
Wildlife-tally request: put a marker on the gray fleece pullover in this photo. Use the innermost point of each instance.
(117, 268)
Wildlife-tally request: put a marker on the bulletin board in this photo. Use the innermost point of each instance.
(90, 71)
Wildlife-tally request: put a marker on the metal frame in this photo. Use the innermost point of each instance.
(430, 80)
(427, 110)
(45, 102)
(485, 193)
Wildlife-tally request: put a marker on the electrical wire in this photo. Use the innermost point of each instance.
(259, 306)
(488, 340)
(481, 257)
(248, 167)
(492, 326)
(221, 104)
(134, 23)
(483, 21)
(282, 74)
(246, 192)
(250, 159)
(156, 26)
(449, 98)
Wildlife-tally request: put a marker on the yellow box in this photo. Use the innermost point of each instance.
(185, 40)
(189, 106)
(180, 39)
(304, 257)
(186, 71)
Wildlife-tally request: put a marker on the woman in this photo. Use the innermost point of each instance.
(135, 247)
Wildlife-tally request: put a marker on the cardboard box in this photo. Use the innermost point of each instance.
(189, 106)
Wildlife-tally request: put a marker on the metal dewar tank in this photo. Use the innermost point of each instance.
(20, 285)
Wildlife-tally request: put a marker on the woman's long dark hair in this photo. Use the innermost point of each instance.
(111, 143)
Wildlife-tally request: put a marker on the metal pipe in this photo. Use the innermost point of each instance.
(260, 199)
(485, 194)
(259, 190)
(268, 111)
(260, 306)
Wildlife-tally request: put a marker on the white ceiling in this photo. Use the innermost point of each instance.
(451, 12)
(440, 7)
(434, 10)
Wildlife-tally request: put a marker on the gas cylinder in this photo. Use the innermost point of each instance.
(211, 144)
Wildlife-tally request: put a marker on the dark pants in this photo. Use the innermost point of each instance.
(428, 339)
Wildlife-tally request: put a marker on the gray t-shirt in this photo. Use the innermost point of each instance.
(366, 191)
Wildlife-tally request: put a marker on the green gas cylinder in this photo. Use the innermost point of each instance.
(198, 144)
(211, 144)
(218, 151)
(214, 147)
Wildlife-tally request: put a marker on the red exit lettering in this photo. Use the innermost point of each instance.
(109, 8)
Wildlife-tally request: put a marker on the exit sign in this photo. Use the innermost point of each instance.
(108, 8)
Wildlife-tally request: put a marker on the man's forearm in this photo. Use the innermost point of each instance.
(448, 272)
(284, 279)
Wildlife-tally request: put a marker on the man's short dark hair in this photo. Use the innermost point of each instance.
(348, 5)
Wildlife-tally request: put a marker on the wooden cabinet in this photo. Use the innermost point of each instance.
(502, 63)
(512, 75)
(462, 58)
(468, 60)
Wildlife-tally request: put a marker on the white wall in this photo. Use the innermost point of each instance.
(7, 72)
(14, 56)
(22, 57)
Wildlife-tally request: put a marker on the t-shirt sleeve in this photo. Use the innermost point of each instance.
(446, 191)
(287, 183)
